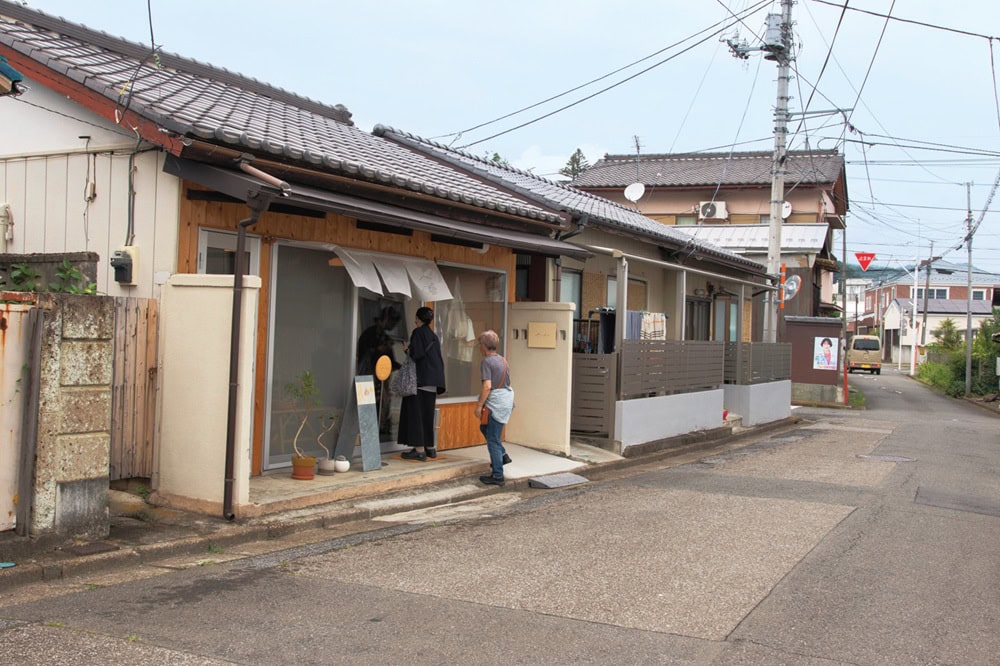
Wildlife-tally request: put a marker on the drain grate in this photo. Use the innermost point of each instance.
(91, 548)
(556, 481)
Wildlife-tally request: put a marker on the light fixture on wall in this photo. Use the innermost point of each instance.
(700, 293)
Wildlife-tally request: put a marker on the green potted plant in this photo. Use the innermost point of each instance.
(305, 393)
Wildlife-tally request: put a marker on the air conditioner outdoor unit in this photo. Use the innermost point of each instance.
(712, 210)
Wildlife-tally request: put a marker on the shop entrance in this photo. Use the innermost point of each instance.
(382, 322)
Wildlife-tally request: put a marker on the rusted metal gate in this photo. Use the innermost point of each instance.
(133, 390)
(593, 396)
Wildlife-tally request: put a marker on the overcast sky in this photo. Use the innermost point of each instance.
(436, 68)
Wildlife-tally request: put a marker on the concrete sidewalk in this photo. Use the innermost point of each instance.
(143, 534)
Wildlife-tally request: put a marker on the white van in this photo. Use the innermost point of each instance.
(865, 353)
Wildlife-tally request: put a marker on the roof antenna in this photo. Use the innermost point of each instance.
(635, 191)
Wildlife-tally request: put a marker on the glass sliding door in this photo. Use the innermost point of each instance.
(312, 329)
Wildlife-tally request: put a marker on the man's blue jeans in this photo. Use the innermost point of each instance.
(491, 431)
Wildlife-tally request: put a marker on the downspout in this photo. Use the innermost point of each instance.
(257, 202)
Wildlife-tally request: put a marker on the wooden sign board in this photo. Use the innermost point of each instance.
(542, 334)
(361, 421)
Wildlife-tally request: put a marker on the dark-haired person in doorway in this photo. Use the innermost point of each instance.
(416, 414)
(497, 397)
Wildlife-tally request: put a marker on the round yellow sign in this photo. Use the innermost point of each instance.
(383, 368)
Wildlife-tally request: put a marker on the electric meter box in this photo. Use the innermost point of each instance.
(125, 262)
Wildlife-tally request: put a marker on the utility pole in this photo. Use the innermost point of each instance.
(913, 318)
(927, 288)
(968, 304)
(778, 46)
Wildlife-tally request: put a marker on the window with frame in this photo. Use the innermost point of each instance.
(636, 295)
(933, 292)
(979, 294)
(571, 290)
(479, 300)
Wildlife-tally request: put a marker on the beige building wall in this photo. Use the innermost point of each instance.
(45, 168)
(541, 377)
(195, 325)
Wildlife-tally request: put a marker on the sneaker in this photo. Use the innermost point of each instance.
(413, 454)
(431, 452)
(490, 480)
(506, 459)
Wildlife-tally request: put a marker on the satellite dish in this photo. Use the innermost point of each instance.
(786, 210)
(635, 191)
(792, 285)
(708, 209)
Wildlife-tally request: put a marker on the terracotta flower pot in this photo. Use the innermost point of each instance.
(303, 467)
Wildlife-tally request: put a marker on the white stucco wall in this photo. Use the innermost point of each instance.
(195, 325)
(44, 170)
(759, 403)
(661, 417)
(541, 378)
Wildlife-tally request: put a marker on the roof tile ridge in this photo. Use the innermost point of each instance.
(34, 18)
(379, 129)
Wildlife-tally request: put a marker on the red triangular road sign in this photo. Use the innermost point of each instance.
(865, 259)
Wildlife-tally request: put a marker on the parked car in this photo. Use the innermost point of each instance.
(865, 353)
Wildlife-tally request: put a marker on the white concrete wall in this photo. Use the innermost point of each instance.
(541, 378)
(195, 325)
(44, 170)
(652, 419)
(759, 403)
(14, 356)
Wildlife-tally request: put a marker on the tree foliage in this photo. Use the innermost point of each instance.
(948, 336)
(499, 159)
(576, 165)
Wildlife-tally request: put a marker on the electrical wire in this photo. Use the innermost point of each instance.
(911, 21)
(605, 89)
(588, 83)
(871, 63)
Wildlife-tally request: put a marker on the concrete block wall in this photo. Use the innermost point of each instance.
(72, 450)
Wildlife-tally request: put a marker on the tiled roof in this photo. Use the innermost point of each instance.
(197, 100)
(710, 169)
(583, 206)
(946, 273)
(745, 238)
(947, 306)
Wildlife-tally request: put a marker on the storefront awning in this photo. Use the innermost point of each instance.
(239, 185)
(397, 272)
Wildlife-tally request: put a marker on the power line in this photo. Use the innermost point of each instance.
(592, 81)
(612, 86)
(902, 20)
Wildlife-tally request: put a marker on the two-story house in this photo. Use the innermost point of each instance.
(724, 199)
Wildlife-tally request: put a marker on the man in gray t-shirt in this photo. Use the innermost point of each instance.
(498, 397)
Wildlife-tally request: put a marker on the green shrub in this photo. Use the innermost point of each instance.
(938, 375)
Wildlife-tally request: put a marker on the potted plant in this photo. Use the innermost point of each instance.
(305, 393)
(327, 423)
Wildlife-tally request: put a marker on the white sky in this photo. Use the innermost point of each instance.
(435, 67)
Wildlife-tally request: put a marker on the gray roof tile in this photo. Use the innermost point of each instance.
(701, 169)
(194, 99)
(598, 210)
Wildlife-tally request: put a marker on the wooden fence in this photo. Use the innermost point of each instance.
(757, 362)
(658, 367)
(133, 397)
(593, 398)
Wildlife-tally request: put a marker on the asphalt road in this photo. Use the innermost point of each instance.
(858, 537)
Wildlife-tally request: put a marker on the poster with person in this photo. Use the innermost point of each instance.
(825, 351)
